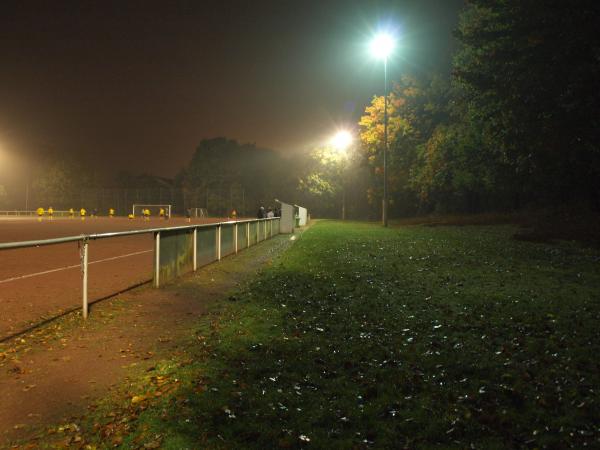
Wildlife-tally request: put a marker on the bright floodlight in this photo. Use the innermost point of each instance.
(342, 140)
(382, 45)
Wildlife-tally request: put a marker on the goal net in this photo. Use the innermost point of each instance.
(138, 210)
(198, 212)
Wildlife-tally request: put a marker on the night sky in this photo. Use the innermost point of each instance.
(136, 85)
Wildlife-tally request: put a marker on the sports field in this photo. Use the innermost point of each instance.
(43, 282)
(357, 336)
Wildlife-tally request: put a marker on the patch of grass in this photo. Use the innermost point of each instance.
(461, 219)
(560, 223)
(361, 336)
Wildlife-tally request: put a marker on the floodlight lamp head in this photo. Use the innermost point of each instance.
(342, 140)
(382, 45)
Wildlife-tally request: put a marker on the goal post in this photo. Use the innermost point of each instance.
(198, 213)
(138, 210)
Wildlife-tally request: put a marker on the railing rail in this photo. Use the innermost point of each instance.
(95, 236)
(33, 212)
(84, 240)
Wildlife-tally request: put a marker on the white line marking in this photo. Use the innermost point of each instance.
(72, 267)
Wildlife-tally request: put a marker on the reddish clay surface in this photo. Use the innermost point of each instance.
(52, 373)
(28, 301)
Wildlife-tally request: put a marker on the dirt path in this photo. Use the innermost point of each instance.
(55, 372)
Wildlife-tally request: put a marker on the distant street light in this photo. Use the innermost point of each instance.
(341, 142)
(382, 47)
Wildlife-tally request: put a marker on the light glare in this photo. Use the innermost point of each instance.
(342, 140)
(382, 45)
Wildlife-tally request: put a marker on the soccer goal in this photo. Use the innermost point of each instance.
(198, 212)
(138, 210)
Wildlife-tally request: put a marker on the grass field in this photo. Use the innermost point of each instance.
(364, 337)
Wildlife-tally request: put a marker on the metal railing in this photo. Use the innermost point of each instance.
(22, 213)
(261, 228)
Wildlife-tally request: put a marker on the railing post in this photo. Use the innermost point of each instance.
(84, 272)
(247, 234)
(195, 251)
(219, 242)
(257, 230)
(235, 237)
(271, 228)
(157, 259)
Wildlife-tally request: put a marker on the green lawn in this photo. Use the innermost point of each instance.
(359, 337)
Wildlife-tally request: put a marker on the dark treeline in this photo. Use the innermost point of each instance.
(222, 175)
(516, 124)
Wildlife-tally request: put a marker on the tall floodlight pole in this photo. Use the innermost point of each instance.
(381, 47)
(384, 208)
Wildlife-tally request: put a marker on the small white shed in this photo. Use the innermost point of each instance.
(286, 224)
(302, 216)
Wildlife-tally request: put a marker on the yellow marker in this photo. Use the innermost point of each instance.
(40, 212)
(71, 213)
(111, 212)
(82, 213)
(130, 216)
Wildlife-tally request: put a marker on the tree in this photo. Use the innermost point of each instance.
(228, 174)
(323, 178)
(454, 172)
(57, 183)
(529, 69)
(333, 183)
(416, 108)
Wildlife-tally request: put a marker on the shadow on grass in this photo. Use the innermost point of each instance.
(339, 367)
